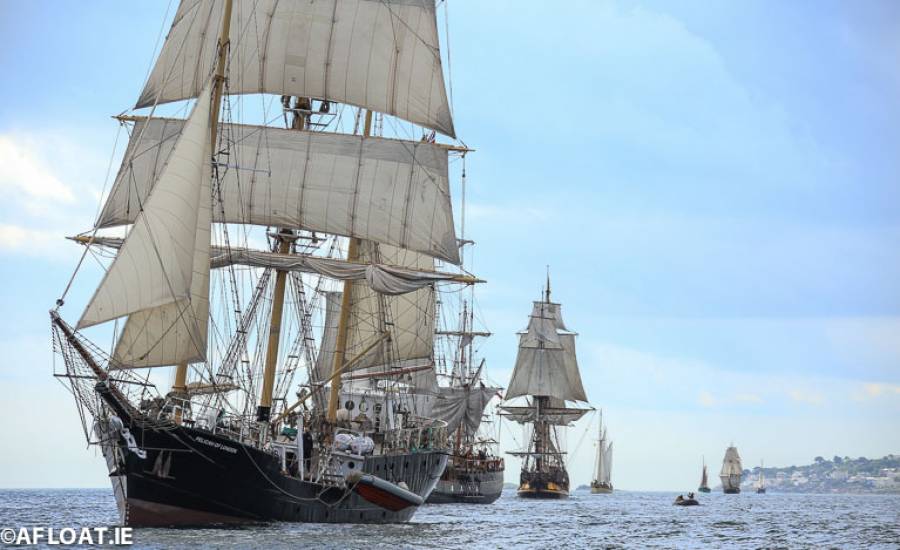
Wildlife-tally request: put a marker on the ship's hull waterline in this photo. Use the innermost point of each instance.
(542, 486)
(731, 490)
(192, 477)
(601, 490)
(467, 487)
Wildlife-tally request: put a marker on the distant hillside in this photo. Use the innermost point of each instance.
(838, 475)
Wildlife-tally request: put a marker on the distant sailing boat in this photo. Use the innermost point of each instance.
(731, 471)
(303, 370)
(603, 467)
(546, 374)
(761, 480)
(704, 480)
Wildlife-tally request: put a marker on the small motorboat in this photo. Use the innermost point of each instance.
(383, 493)
(689, 501)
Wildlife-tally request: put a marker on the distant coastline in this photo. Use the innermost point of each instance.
(836, 475)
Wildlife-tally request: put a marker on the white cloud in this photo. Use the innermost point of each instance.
(806, 396)
(14, 238)
(49, 189)
(874, 390)
(22, 172)
(706, 399)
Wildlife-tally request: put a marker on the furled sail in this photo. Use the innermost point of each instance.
(164, 261)
(546, 364)
(555, 413)
(462, 406)
(385, 190)
(381, 55)
(383, 279)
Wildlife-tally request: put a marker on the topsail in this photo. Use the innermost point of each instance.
(389, 191)
(546, 364)
(381, 55)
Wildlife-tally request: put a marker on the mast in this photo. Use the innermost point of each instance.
(285, 237)
(180, 384)
(265, 401)
(343, 322)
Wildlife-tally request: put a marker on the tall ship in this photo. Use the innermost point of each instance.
(603, 465)
(704, 480)
(544, 381)
(270, 287)
(761, 480)
(732, 471)
(474, 472)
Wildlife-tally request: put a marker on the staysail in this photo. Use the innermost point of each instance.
(161, 274)
(389, 191)
(381, 55)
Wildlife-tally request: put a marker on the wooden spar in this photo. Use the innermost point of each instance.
(88, 359)
(389, 373)
(445, 146)
(218, 84)
(345, 367)
(341, 340)
(115, 243)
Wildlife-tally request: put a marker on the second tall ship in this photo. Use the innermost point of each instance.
(544, 379)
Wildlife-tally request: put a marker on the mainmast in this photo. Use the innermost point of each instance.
(180, 385)
(343, 322)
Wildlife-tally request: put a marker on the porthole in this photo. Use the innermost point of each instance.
(349, 405)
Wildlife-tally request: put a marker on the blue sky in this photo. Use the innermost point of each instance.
(714, 185)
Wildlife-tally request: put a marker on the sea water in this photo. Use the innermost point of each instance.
(620, 520)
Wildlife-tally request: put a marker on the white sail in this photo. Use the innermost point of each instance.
(325, 358)
(385, 190)
(381, 55)
(409, 318)
(607, 463)
(732, 469)
(731, 465)
(157, 262)
(546, 364)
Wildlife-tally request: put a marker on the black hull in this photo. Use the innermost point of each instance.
(193, 477)
(731, 491)
(703, 489)
(544, 485)
(463, 487)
